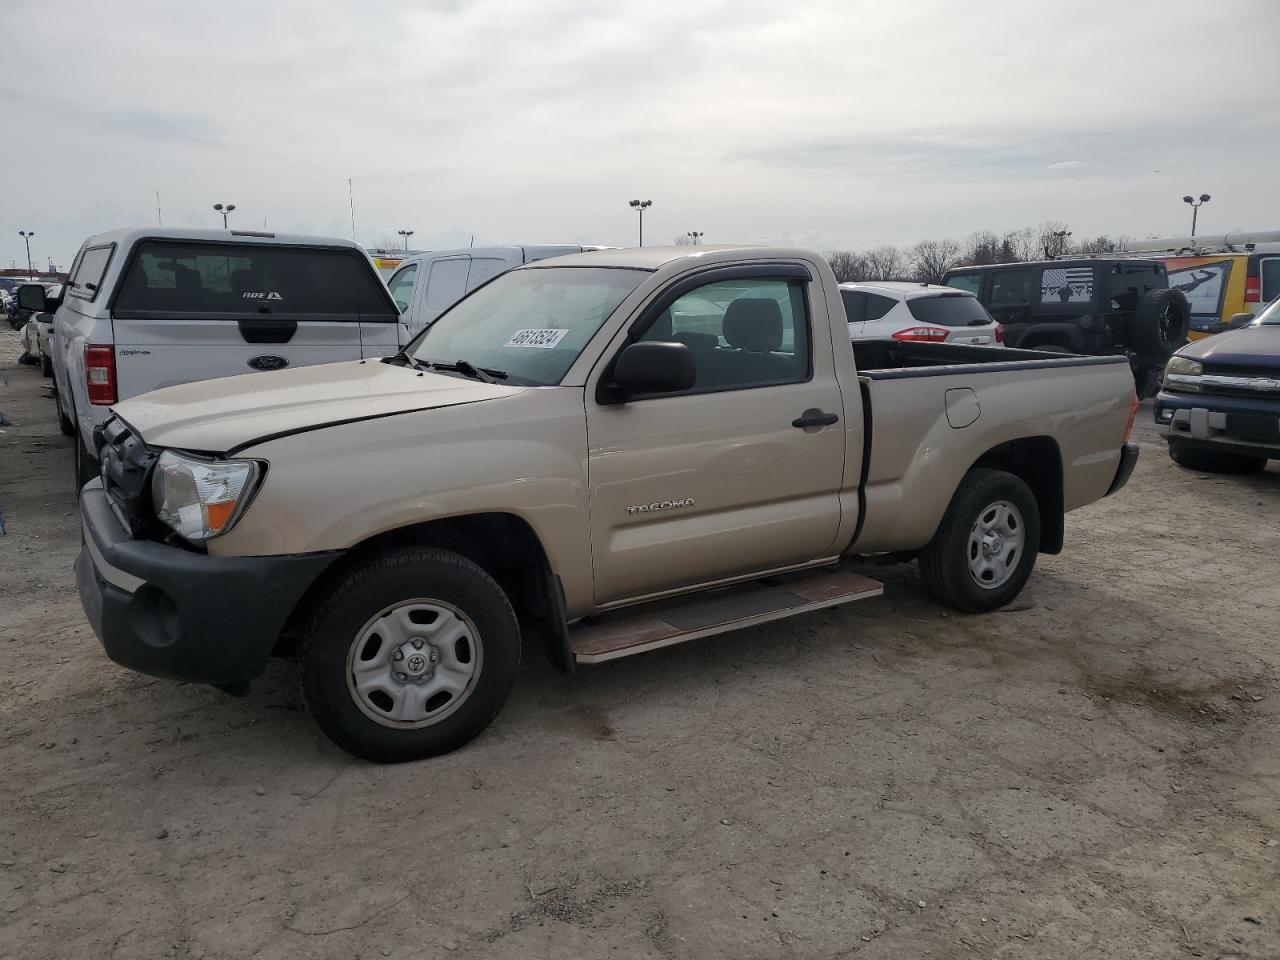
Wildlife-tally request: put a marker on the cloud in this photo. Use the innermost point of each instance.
(537, 121)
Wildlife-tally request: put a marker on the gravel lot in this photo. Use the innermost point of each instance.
(1093, 772)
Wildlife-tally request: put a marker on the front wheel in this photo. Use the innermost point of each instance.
(412, 655)
(1211, 461)
(985, 548)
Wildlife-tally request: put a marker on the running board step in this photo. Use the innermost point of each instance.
(667, 622)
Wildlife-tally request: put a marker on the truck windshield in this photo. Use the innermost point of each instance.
(528, 324)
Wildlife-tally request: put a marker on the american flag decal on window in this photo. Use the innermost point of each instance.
(1066, 285)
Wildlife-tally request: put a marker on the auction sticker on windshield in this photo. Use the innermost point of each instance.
(544, 338)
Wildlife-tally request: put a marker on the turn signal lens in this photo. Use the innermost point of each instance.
(200, 499)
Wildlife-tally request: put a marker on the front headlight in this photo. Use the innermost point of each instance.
(200, 499)
(1183, 367)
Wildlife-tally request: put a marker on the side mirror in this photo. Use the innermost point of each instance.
(653, 367)
(1240, 320)
(31, 297)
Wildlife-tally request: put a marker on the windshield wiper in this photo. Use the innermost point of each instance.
(469, 369)
(403, 359)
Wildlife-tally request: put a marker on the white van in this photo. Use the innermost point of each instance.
(147, 308)
(427, 284)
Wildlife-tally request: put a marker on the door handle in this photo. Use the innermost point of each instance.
(814, 418)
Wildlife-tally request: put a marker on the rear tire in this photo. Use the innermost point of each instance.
(84, 464)
(1160, 322)
(1147, 381)
(967, 565)
(46, 366)
(65, 423)
(381, 619)
(1210, 461)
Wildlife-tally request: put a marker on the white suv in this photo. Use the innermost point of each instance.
(153, 307)
(918, 311)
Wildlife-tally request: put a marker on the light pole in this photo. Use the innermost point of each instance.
(26, 235)
(694, 236)
(1195, 208)
(224, 211)
(406, 234)
(639, 206)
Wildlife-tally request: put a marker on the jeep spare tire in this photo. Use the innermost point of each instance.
(1160, 322)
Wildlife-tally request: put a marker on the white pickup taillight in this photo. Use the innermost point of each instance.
(100, 374)
(927, 334)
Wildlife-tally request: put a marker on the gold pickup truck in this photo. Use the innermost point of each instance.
(614, 451)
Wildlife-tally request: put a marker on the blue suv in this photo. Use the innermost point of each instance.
(1219, 406)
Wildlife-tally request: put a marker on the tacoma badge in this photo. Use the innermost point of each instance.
(659, 505)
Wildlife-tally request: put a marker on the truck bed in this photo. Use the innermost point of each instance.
(934, 410)
(895, 359)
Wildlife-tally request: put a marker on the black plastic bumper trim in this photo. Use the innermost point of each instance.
(173, 613)
(1128, 460)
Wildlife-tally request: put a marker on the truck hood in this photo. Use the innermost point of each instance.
(1255, 346)
(221, 416)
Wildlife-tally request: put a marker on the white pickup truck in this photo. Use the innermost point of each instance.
(151, 307)
(616, 450)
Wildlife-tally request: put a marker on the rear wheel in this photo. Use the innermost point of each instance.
(1210, 461)
(1147, 381)
(85, 465)
(65, 423)
(985, 548)
(412, 655)
(46, 365)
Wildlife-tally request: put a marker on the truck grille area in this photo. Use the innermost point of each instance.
(1241, 381)
(126, 474)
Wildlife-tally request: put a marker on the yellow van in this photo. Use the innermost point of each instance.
(1223, 277)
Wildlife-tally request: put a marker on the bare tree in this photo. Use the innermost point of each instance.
(1024, 245)
(848, 265)
(982, 248)
(931, 259)
(885, 263)
(1055, 238)
(683, 240)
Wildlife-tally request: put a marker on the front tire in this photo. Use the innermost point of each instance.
(1211, 461)
(985, 548)
(412, 655)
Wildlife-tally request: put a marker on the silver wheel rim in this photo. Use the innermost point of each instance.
(414, 663)
(995, 544)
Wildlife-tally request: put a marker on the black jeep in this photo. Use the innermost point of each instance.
(1089, 305)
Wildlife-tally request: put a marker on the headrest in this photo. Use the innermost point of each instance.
(754, 324)
(697, 342)
(244, 281)
(185, 278)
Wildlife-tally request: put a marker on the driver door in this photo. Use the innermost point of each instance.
(719, 481)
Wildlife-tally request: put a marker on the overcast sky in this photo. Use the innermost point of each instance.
(827, 124)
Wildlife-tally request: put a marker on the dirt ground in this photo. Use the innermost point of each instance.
(1093, 772)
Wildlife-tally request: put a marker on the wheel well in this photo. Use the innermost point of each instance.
(1038, 462)
(502, 544)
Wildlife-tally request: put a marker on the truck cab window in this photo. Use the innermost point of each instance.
(743, 333)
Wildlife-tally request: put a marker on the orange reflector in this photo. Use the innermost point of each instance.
(217, 514)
